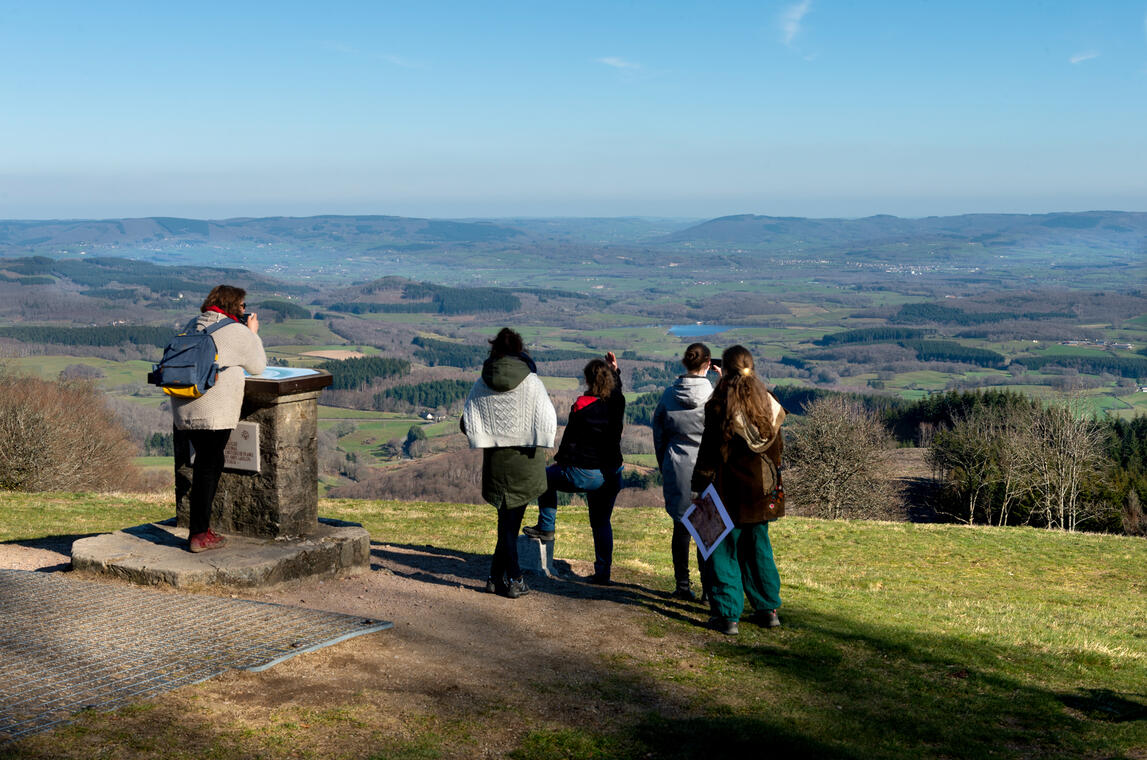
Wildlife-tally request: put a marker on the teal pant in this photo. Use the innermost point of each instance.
(742, 565)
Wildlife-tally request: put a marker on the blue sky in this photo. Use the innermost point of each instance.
(464, 109)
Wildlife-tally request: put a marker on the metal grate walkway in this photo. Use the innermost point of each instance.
(68, 645)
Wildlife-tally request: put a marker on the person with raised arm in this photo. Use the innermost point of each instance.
(589, 461)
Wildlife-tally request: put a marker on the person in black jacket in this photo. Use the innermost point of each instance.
(589, 461)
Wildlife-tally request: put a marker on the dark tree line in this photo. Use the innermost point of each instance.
(431, 394)
(90, 336)
(466, 355)
(285, 309)
(950, 351)
(915, 313)
(640, 410)
(1123, 366)
(444, 353)
(356, 374)
(872, 335)
(438, 299)
(663, 376)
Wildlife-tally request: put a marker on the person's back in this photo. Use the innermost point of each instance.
(508, 415)
(678, 424)
(238, 349)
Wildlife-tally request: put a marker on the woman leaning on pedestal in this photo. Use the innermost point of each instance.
(740, 453)
(207, 421)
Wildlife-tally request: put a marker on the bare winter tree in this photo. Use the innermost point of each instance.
(1067, 454)
(983, 459)
(839, 456)
(61, 436)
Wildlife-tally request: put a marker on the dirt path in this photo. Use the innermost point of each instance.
(491, 668)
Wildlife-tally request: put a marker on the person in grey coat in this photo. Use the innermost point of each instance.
(677, 426)
(207, 421)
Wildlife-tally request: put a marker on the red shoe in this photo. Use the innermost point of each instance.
(201, 542)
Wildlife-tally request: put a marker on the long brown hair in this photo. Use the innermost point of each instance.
(740, 392)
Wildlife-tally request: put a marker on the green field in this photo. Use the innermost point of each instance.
(116, 373)
(308, 331)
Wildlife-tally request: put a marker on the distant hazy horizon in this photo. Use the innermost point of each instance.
(668, 109)
(533, 217)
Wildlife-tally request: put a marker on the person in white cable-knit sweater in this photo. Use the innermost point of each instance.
(509, 415)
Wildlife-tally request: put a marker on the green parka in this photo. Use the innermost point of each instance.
(512, 476)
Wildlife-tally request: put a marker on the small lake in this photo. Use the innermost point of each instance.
(696, 331)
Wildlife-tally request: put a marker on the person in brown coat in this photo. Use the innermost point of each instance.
(740, 452)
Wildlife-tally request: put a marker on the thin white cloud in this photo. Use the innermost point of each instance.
(791, 20)
(619, 63)
(1081, 57)
(350, 50)
(399, 61)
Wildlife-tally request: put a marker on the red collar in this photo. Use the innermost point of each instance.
(216, 308)
(584, 401)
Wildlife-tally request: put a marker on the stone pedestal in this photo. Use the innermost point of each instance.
(282, 499)
(156, 554)
(270, 517)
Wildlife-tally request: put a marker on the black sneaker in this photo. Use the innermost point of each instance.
(491, 587)
(721, 625)
(533, 531)
(684, 593)
(767, 618)
(599, 579)
(514, 589)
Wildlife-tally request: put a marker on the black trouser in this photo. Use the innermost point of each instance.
(505, 561)
(679, 547)
(680, 550)
(207, 468)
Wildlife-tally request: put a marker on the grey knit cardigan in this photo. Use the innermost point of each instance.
(238, 349)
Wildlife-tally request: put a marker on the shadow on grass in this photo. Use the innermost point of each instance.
(826, 685)
(831, 686)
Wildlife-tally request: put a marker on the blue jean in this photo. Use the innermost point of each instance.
(601, 492)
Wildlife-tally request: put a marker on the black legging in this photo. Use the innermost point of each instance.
(505, 561)
(207, 468)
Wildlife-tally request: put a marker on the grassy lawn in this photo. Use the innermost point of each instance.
(899, 641)
(115, 372)
(301, 331)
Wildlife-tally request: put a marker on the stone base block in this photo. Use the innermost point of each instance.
(537, 556)
(156, 553)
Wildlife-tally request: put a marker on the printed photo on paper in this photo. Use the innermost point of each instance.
(708, 521)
